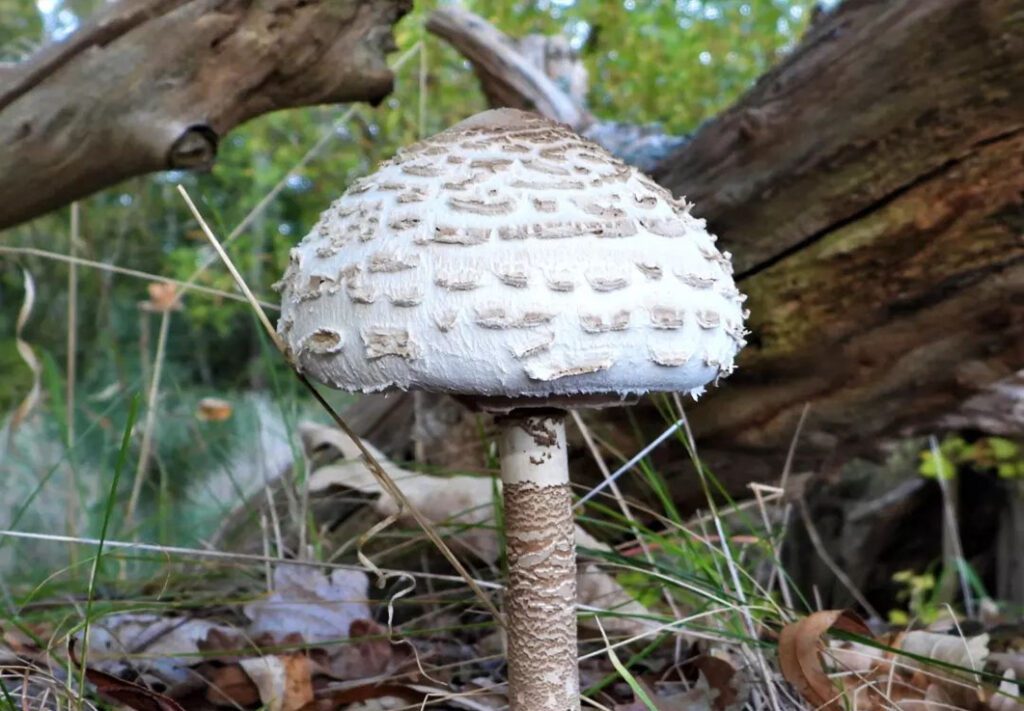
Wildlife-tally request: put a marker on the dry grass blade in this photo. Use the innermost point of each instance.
(26, 406)
(829, 561)
(125, 271)
(149, 428)
(224, 556)
(386, 482)
(72, 362)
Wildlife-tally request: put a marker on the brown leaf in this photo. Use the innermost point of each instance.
(231, 686)
(800, 647)
(131, 695)
(721, 678)
(163, 296)
(307, 602)
(367, 654)
(227, 644)
(213, 409)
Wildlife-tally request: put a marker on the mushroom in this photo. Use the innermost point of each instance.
(522, 268)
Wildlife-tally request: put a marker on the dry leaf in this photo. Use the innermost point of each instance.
(800, 648)
(907, 682)
(152, 647)
(1008, 697)
(367, 654)
(307, 602)
(231, 686)
(134, 696)
(727, 688)
(597, 589)
(284, 681)
(213, 409)
(970, 652)
(944, 688)
(466, 502)
(163, 296)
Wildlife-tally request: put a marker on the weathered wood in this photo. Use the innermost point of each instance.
(542, 73)
(508, 76)
(153, 85)
(871, 188)
(998, 409)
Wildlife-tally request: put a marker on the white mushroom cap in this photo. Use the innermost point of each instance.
(508, 257)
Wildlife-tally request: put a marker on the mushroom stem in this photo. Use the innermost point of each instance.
(540, 601)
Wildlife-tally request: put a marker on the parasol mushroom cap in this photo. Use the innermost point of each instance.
(508, 257)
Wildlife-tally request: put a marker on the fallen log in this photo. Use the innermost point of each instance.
(871, 188)
(154, 85)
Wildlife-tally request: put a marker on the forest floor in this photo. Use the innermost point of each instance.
(307, 587)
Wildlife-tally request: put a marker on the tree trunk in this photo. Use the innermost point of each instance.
(871, 188)
(153, 85)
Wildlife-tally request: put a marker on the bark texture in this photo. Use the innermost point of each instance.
(153, 85)
(508, 76)
(871, 189)
(540, 599)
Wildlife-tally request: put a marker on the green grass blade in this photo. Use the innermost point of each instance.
(122, 457)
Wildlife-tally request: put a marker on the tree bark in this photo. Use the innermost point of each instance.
(153, 85)
(508, 77)
(871, 188)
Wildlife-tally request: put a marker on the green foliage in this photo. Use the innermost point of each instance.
(21, 30)
(677, 63)
(996, 454)
(917, 594)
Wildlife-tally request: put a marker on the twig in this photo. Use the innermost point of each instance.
(637, 458)
(951, 529)
(819, 548)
